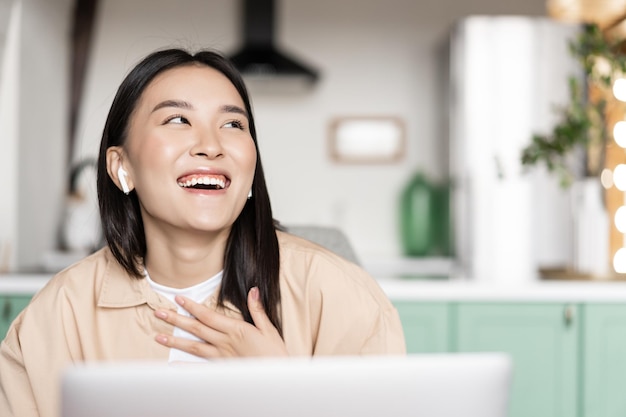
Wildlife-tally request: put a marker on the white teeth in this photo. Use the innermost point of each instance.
(203, 181)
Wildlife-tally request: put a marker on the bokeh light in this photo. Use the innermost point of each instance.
(619, 133)
(619, 177)
(619, 89)
(619, 261)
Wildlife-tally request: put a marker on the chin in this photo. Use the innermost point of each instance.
(211, 226)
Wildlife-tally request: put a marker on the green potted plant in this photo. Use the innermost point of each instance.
(582, 124)
(582, 130)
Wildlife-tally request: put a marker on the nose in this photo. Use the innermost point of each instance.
(207, 143)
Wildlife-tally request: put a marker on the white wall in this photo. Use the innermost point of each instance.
(10, 19)
(6, 7)
(35, 104)
(375, 57)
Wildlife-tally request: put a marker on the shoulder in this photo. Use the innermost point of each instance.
(79, 287)
(50, 306)
(84, 275)
(302, 249)
(342, 307)
(301, 255)
(318, 270)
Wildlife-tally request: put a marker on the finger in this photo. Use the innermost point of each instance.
(191, 325)
(200, 349)
(209, 317)
(259, 316)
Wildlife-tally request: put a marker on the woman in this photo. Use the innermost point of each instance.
(195, 267)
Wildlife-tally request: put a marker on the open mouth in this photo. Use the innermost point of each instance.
(204, 182)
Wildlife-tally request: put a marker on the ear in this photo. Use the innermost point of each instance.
(115, 161)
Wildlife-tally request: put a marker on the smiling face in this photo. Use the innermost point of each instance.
(189, 153)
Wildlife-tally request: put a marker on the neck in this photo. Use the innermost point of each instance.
(181, 260)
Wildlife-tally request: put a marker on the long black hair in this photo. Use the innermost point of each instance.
(252, 256)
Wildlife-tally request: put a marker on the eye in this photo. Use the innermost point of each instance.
(237, 124)
(177, 119)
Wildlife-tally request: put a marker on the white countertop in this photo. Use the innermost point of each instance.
(15, 284)
(400, 289)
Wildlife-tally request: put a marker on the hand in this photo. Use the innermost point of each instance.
(223, 336)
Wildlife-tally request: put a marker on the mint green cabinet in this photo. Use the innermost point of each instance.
(10, 307)
(426, 326)
(542, 340)
(604, 372)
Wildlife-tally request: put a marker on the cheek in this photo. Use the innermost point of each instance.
(150, 152)
(246, 155)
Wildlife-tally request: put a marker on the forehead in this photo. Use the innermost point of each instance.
(191, 82)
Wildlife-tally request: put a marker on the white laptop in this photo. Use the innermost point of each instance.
(425, 385)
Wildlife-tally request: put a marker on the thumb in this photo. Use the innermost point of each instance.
(259, 317)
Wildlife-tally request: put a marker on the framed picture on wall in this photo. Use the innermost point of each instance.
(367, 139)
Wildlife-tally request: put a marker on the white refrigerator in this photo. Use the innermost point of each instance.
(508, 74)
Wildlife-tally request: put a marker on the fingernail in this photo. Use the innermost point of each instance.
(160, 314)
(161, 339)
(180, 300)
(255, 293)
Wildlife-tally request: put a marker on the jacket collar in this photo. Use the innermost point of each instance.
(121, 290)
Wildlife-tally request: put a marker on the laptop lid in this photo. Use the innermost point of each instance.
(437, 385)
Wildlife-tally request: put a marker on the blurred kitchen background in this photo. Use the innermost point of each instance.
(456, 89)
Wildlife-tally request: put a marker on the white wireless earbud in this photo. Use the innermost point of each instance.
(250, 194)
(121, 176)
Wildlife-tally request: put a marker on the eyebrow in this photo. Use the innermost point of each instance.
(173, 103)
(181, 104)
(229, 108)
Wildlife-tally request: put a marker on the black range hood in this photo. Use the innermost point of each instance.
(259, 58)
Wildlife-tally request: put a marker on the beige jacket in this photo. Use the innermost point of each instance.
(95, 311)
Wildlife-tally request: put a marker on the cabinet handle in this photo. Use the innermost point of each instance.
(6, 310)
(568, 315)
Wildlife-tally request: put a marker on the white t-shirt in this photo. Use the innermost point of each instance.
(198, 293)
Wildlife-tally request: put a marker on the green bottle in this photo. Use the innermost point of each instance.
(425, 218)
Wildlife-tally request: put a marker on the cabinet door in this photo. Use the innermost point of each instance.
(604, 360)
(426, 326)
(10, 307)
(542, 341)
